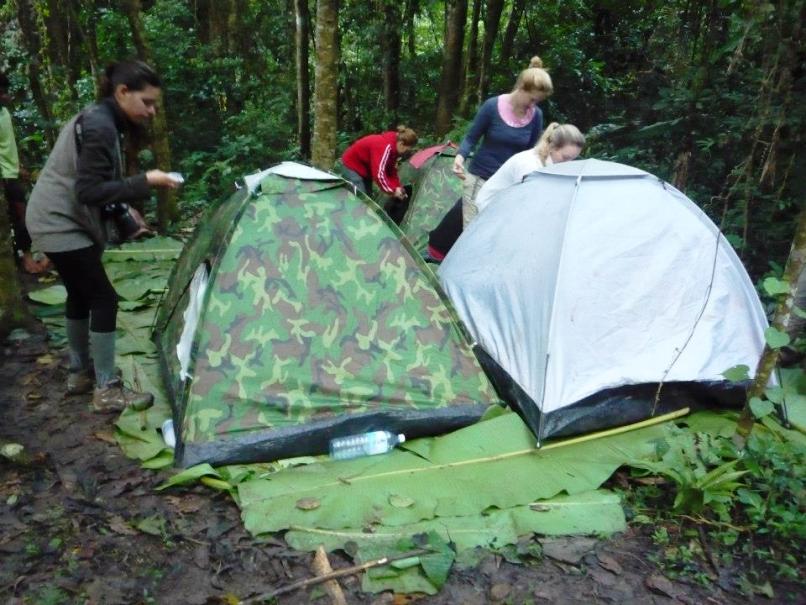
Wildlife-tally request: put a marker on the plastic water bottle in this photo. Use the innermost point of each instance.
(168, 434)
(365, 444)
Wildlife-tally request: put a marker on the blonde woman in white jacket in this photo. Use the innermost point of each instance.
(559, 143)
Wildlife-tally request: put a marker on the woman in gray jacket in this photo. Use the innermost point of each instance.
(82, 181)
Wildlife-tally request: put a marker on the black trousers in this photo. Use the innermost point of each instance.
(15, 200)
(89, 291)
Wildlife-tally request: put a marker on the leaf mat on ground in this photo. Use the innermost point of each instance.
(591, 512)
(139, 271)
(492, 464)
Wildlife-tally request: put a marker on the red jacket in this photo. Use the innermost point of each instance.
(375, 156)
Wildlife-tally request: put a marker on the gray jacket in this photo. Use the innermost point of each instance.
(64, 209)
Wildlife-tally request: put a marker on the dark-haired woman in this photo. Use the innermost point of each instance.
(83, 174)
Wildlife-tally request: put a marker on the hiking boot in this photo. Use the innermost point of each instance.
(80, 382)
(115, 397)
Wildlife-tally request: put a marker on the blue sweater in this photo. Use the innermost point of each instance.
(501, 141)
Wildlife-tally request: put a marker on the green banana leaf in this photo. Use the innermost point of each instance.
(490, 465)
(52, 295)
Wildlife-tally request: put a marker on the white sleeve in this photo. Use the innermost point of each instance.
(511, 172)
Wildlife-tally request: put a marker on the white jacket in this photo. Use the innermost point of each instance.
(511, 172)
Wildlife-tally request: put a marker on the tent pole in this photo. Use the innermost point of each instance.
(620, 429)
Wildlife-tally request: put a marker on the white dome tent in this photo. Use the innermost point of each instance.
(589, 285)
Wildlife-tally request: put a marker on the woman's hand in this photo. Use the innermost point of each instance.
(158, 178)
(459, 166)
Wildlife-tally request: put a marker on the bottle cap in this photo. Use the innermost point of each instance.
(401, 438)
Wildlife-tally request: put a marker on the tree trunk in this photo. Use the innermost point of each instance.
(87, 10)
(201, 15)
(302, 35)
(448, 93)
(412, 7)
(783, 313)
(390, 43)
(512, 28)
(30, 37)
(12, 308)
(56, 26)
(325, 125)
(491, 22)
(219, 22)
(166, 198)
(470, 80)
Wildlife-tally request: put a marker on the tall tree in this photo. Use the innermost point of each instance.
(412, 6)
(450, 78)
(325, 125)
(783, 313)
(86, 18)
(390, 45)
(491, 22)
(470, 80)
(32, 42)
(302, 39)
(12, 308)
(166, 198)
(513, 23)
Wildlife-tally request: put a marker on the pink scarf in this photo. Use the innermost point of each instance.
(508, 115)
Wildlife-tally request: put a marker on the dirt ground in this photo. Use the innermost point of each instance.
(67, 534)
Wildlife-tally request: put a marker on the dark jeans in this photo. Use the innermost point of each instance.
(89, 291)
(363, 184)
(15, 200)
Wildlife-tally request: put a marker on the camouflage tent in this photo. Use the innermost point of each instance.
(297, 314)
(434, 190)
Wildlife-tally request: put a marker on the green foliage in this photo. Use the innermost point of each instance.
(750, 501)
(694, 462)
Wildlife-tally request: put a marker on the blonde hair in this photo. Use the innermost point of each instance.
(556, 136)
(534, 78)
(406, 136)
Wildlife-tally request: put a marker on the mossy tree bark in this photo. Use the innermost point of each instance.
(13, 313)
(325, 124)
(166, 198)
(449, 83)
(302, 34)
(492, 21)
(783, 314)
(469, 83)
(33, 44)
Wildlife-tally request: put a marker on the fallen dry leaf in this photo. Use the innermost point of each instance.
(609, 563)
(499, 592)
(661, 585)
(31, 378)
(120, 526)
(45, 360)
(400, 501)
(186, 504)
(308, 503)
(105, 436)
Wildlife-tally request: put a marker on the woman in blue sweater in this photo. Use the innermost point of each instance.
(505, 124)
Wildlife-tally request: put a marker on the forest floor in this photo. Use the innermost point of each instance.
(80, 523)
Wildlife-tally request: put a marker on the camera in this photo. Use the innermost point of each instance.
(124, 223)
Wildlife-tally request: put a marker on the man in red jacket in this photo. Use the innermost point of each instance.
(374, 158)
